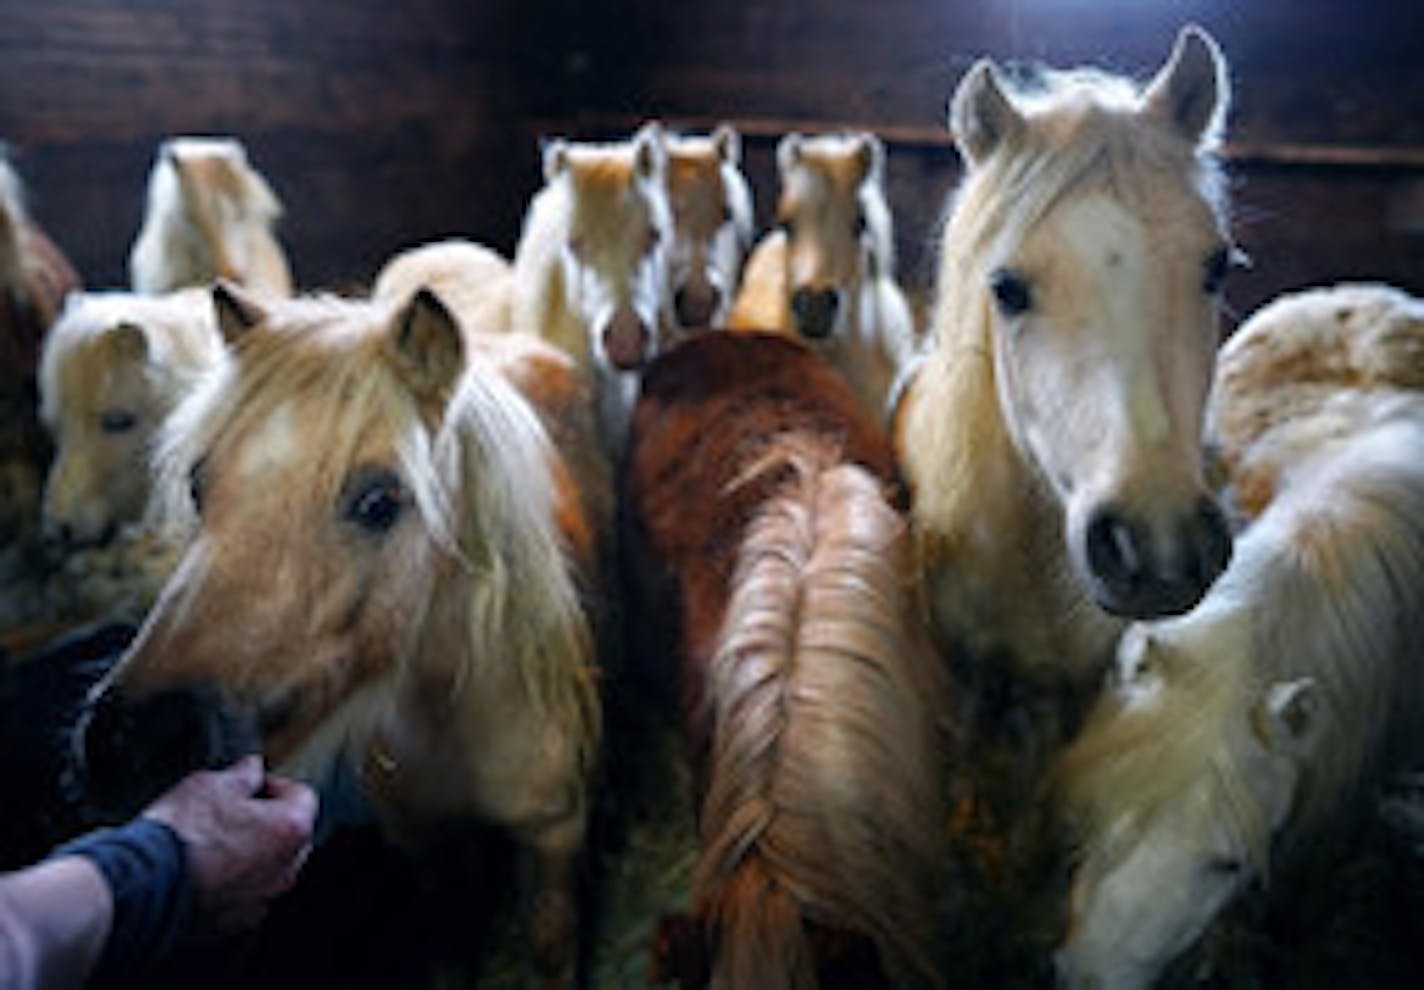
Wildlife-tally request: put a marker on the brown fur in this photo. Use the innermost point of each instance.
(758, 493)
(35, 276)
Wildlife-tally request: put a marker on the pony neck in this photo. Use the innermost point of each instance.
(989, 532)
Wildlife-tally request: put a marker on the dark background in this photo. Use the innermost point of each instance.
(384, 124)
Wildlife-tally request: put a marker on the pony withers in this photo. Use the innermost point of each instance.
(34, 279)
(827, 273)
(1052, 438)
(385, 586)
(209, 215)
(1235, 735)
(590, 272)
(712, 225)
(773, 578)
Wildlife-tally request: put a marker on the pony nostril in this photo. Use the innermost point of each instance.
(1212, 542)
(815, 310)
(1114, 553)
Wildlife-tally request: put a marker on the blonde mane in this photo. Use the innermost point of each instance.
(825, 735)
(480, 475)
(1328, 584)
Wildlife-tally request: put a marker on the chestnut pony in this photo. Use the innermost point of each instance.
(385, 584)
(759, 518)
(1052, 438)
(34, 278)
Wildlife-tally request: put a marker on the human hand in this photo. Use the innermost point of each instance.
(246, 835)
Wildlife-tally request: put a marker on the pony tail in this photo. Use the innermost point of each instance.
(762, 940)
(822, 810)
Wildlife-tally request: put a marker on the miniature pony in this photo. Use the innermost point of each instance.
(210, 215)
(760, 522)
(828, 273)
(34, 278)
(590, 272)
(1303, 354)
(385, 587)
(472, 281)
(712, 224)
(1234, 731)
(1052, 437)
(115, 364)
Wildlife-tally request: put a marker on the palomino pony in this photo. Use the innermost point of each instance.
(590, 272)
(114, 366)
(1052, 438)
(1260, 717)
(473, 281)
(34, 278)
(827, 273)
(1304, 354)
(210, 215)
(385, 587)
(760, 520)
(712, 224)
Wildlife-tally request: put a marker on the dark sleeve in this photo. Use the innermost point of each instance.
(146, 867)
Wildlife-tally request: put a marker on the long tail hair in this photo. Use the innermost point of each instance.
(822, 807)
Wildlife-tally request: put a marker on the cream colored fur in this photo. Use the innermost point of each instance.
(209, 215)
(474, 281)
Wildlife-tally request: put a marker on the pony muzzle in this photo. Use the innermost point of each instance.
(129, 748)
(815, 311)
(1138, 570)
(696, 302)
(627, 342)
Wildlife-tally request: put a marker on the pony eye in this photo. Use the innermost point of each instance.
(198, 483)
(576, 246)
(785, 226)
(1225, 865)
(1011, 292)
(374, 500)
(727, 213)
(1215, 269)
(117, 421)
(860, 223)
(654, 238)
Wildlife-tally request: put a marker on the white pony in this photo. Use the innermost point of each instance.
(210, 215)
(1300, 355)
(827, 273)
(1052, 438)
(590, 272)
(1234, 731)
(114, 366)
(472, 280)
(712, 224)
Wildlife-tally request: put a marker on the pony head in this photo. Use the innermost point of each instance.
(833, 213)
(615, 253)
(113, 366)
(1179, 781)
(1084, 259)
(712, 224)
(210, 215)
(321, 504)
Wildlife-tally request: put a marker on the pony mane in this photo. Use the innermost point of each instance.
(817, 807)
(480, 476)
(182, 338)
(1327, 584)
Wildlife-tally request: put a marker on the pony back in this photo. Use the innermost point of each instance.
(819, 819)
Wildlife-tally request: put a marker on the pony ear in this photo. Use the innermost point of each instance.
(727, 143)
(981, 116)
(1288, 719)
(128, 342)
(426, 345)
(788, 151)
(1191, 91)
(556, 158)
(237, 312)
(870, 156)
(649, 150)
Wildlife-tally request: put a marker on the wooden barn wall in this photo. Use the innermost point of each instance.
(384, 124)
